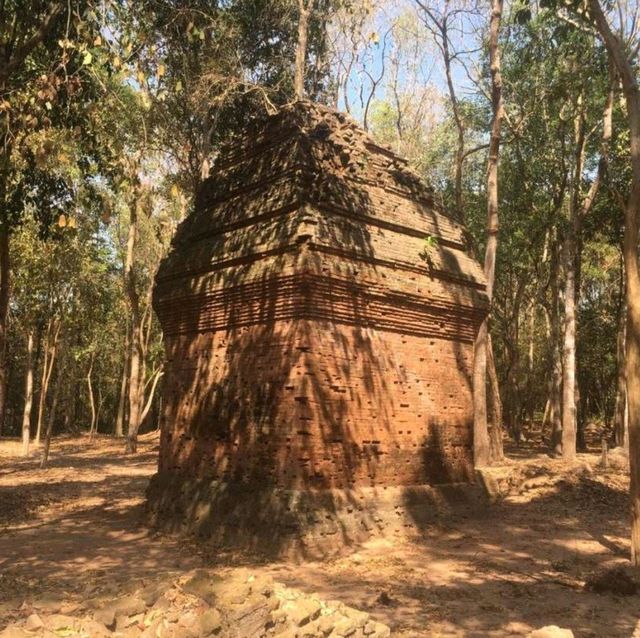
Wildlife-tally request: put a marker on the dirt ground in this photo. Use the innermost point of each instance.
(77, 528)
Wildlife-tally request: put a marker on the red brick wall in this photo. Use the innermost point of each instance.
(307, 403)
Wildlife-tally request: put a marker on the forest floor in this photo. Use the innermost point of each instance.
(77, 528)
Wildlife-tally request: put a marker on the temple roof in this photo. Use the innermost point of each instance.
(308, 191)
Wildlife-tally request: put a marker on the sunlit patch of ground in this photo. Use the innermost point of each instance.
(77, 529)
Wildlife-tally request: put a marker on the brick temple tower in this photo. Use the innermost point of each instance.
(319, 310)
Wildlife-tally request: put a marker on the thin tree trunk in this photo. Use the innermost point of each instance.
(556, 402)
(43, 379)
(621, 395)
(569, 353)
(578, 209)
(304, 7)
(156, 378)
(627, 73)
(569, 336)
(4, 311)
(547, 416)
(51, 421)
(99, 408)
(51, 349)
(556, 357)
(124, 384)
(137, 344)
(481, 442)
(28, 397)
(530, 360)
(457, 118)
(92, 402)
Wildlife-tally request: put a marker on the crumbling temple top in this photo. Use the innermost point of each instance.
(319, 309)
(311, 177)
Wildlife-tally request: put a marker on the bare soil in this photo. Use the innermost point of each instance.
(76, 530)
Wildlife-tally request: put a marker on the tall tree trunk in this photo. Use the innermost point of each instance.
(137, 343)
(569, 352)
(530, 360)
(581, 405)
(632, 349)
(481, 442)
(570, 259)
(28, 397)
(627, 73)
(556, 399)
(4, 312)
(579, 208)
(304, 9)
(556, 357)
(547, 416)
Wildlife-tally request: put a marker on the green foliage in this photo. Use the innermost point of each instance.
(119, 108)
(552, 71)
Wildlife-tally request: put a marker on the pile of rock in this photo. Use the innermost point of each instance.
(238, 604)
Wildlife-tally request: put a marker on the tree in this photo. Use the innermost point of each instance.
(481, 441)
(45, 47)
(440, 21)
(579, 207)
(624, 64)
(28, 397)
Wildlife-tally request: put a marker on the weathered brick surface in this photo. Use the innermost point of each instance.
(314, 338)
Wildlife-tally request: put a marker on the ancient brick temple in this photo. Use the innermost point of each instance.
(319, 310)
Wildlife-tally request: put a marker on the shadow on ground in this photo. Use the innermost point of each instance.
(78, 526)
(519, 565)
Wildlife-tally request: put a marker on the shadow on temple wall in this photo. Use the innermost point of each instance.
(267, 441)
